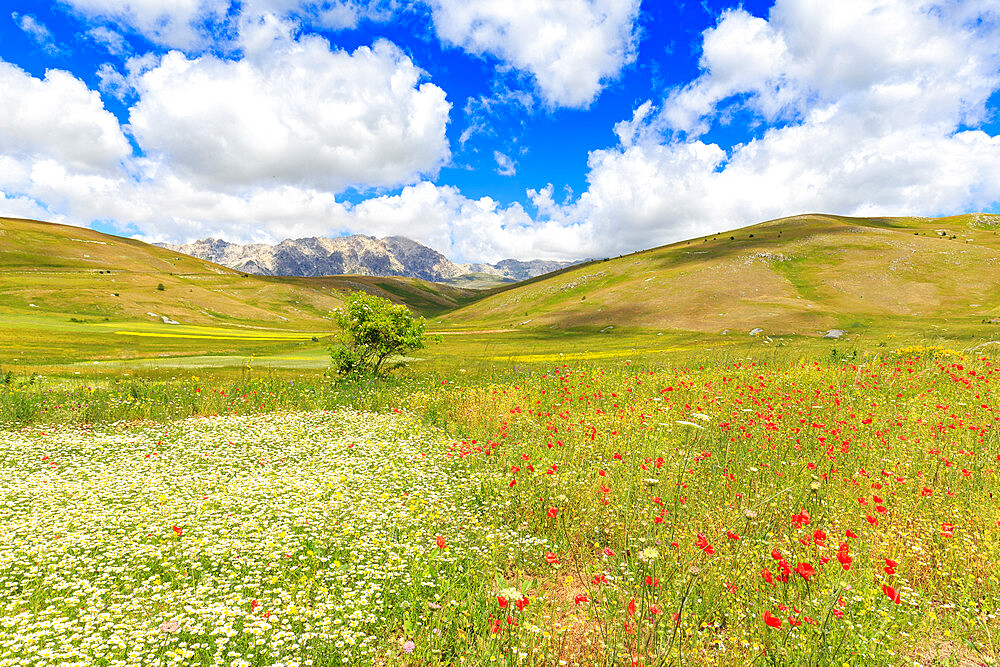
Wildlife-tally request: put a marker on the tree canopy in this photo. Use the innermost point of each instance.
(371, 331)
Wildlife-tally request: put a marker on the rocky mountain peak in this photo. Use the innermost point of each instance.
(359, 254)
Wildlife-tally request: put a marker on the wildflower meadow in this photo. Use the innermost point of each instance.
(720, 512)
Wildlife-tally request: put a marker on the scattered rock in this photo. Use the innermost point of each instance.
(756, 331)
(834, 334)
(167, 320)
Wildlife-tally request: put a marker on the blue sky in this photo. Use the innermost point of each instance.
(528, 128)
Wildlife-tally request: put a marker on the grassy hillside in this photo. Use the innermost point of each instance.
(69, 293)
(800, 275)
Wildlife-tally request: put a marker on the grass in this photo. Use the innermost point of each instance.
(703, 485)
(603, 485)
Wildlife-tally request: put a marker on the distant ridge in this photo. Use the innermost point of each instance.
(361, 255)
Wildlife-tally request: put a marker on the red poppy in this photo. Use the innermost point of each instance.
(801, 519)
(177, 531)
(844, 557)
(551, 558)
(772, 621)
(522, 603)
(439, 540)
(805, 570)
(766, 575)
(494, 625)
(502, 601)
(553, 511)
(890, 593)
(631, 607)
(580, 599)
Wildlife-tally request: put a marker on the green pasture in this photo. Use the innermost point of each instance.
(56, 345)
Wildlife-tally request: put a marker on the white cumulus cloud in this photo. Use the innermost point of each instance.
(57, 118)
(572, 48)
(870, 108)
(304, 115)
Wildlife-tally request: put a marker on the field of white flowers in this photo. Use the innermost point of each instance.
(291, 539)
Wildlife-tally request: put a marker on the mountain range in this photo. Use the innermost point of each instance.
(362, 255)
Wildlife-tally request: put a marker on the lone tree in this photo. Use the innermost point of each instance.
(372, 329)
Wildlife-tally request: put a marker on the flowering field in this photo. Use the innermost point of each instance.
(796, 513)
(302, 539)
(787, 513)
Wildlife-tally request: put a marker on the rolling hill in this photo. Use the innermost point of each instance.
(801, 275)
(69, 294)
(51, 268)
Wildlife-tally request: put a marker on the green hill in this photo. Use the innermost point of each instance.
(70, 295)
(69, 291)
(800, 275)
